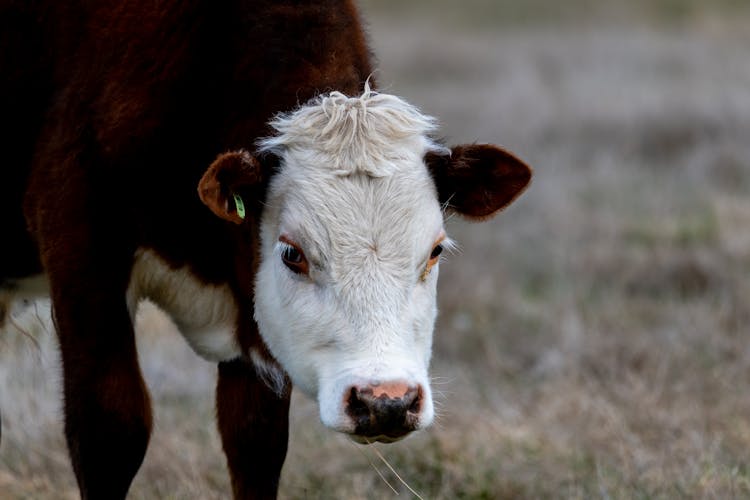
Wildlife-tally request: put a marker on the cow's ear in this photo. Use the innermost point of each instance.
(232, 187)
(477, 180)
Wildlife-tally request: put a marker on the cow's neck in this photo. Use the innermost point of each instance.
(205, 314)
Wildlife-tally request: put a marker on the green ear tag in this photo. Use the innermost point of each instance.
(240, 205)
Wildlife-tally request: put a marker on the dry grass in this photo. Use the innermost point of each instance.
(593, 340)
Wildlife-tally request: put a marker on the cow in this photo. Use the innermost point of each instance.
(234, 163)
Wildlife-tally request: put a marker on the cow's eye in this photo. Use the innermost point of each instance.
(434, 258)
(436, 252)
(293, 257)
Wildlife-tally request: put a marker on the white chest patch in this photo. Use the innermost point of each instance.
(206, 315)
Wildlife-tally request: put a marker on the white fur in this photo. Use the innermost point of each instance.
(354, 194)
(206, 315)
(271, 373)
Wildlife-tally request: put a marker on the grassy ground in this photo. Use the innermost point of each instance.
(593, 340)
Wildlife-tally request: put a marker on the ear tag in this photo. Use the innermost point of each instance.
(240, 205)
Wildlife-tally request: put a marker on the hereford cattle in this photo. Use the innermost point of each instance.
(234, 163)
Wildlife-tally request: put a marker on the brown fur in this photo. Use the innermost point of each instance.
(478, 180)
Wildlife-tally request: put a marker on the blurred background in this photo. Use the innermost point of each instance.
(593, 340)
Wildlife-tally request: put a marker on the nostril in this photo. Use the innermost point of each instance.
(409, 397)
(413, 399)
(357, 407)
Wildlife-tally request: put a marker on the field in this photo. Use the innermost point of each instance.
(593, 339)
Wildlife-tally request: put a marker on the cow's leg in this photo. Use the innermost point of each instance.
(106, 403)
(86, 239)
(254, 426)
(107, 408)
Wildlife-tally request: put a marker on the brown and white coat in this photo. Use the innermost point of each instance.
(159, 150)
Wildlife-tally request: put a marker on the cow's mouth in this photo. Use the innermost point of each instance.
(381, 438)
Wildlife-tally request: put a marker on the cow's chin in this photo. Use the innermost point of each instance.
(375, 439)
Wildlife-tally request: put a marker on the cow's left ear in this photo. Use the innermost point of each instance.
(477, 180)
(233, 185)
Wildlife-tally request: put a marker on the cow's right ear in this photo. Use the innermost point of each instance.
(233, 185)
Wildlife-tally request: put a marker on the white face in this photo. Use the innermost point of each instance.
(346, 289)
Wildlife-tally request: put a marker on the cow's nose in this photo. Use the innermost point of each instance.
(385, 410)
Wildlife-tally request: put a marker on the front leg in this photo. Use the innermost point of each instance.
(254, 426)
(107, 409)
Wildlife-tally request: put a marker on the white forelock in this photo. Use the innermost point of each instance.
(371, 133)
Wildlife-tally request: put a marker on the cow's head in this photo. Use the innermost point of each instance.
(351, 237)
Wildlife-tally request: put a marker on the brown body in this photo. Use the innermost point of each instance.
(111, 113)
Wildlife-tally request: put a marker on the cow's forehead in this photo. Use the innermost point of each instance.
(352, 176)
(358, 216)
(375, 134)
